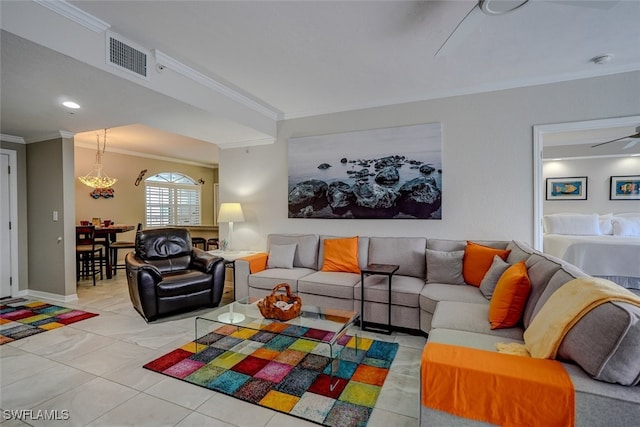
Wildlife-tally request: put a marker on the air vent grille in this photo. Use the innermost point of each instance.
(127, 57)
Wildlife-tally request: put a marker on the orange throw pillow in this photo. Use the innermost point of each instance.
(477, 261)
(341, 255)
(510, 297)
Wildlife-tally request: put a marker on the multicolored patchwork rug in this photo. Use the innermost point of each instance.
(285, 371)
(20, 318)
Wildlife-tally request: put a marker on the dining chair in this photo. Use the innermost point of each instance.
(89, 256)
(117, 245)
(195, 241)
(213, 243)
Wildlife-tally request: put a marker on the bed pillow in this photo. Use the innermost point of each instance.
(445, 267)
(477, 261)
(572, 224)
(490, 280)
(281, 256)
(626, 226)
(606, 226)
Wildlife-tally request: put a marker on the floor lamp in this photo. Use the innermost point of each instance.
(230, 212)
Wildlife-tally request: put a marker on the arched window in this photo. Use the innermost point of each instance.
(171, 199)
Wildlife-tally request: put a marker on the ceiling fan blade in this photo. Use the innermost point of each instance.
(608, 142)
(465, 27)
(631, 143)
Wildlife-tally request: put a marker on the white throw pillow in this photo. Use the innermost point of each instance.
(626, 227)
(572, 224)
(281, 256)
(606, 226)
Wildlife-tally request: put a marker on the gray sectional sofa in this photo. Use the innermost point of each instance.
(601, 352)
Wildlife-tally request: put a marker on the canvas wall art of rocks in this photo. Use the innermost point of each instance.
(330, 178)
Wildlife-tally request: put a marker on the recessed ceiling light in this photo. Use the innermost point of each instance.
(71, 104)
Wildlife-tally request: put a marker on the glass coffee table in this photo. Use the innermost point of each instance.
(244, 313)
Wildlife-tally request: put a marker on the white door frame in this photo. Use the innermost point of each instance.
(539, 133)
(13, 217)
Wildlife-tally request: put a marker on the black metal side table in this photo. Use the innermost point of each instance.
(382, 270)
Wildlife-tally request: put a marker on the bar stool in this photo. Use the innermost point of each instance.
(212, 244)
(195, 241)
(115, 246)
(87, 253)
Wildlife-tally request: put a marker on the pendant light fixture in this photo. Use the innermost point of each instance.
(96, 178)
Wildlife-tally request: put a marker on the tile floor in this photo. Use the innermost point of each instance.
(93, 370)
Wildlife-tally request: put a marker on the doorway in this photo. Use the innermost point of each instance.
(542, 136)
(8, 223)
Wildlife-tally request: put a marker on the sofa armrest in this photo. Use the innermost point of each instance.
(244, 267)
(204, 261)
(136, 265)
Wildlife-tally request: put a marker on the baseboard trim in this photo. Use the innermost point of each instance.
(52, 297)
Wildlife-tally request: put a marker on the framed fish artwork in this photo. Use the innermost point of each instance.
(569, 188)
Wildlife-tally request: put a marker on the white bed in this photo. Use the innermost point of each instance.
(616, 258)
(605, 246)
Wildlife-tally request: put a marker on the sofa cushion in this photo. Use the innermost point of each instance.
(405, 290)
(520, 251)
(306, 255)
(444, 267)
(281, 256)
(490, 280)
(363, 250)
(433, 293)
(470, 317)
(334, 284)
(341, 255)
(407, 252)
(540, 269)
(477, 261)
(510, 296)
(269, 278)
(559, 278)
(606, 343)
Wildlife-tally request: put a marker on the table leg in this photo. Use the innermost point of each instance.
(107, 247)
(389, 305)
(361, 301)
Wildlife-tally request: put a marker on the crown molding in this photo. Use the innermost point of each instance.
(246, 143)
(164, 60)
(472, 90)
(75, 14)
(53, 135)
(147, 156)
(11, 138)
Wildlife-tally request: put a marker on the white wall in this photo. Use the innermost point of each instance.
(487, 160)
(598, 172)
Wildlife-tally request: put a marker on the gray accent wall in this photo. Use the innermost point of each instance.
(46, 193)
(487, 160)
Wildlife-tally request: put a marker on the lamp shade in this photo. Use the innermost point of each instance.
(230, 212)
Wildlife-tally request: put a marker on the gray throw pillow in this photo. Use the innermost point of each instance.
(490, 280)
(444, 267)
(281, 256)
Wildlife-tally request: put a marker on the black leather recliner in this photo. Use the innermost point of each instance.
(166, 274)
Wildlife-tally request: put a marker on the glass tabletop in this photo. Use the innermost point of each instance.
(245, 313)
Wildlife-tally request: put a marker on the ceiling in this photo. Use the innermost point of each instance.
(223, 73)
